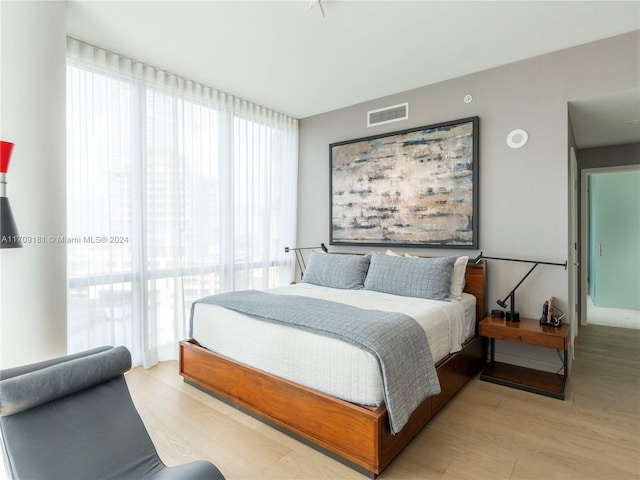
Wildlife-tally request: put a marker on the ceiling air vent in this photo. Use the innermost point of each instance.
(384, 115)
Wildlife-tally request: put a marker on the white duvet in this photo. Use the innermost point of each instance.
(323, 363)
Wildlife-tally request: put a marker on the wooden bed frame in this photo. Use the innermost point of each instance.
(357, 435)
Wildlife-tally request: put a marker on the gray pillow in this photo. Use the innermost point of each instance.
(410, 277)
(336, 271)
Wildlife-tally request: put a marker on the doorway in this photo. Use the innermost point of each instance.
(610, 234)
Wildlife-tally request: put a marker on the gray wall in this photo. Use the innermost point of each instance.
(523, 193)
(612, 156)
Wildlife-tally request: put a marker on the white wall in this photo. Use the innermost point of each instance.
(523, 193)
(32, 101)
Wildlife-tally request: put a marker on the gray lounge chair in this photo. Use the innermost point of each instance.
(73, 418)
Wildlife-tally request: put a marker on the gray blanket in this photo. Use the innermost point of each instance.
(396, 340)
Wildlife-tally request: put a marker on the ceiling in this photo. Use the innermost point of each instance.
(289, 57)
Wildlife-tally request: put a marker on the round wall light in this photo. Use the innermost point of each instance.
(517, 138)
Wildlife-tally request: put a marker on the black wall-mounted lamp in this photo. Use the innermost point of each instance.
(300, 258)
(512, 315)
(9, 236)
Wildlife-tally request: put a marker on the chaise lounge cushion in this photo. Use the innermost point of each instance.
(58, 380)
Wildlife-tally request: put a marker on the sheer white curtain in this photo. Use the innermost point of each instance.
(174, 191)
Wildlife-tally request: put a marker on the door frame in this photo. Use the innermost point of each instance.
(573, 263)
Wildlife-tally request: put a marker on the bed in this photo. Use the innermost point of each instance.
(352, 425)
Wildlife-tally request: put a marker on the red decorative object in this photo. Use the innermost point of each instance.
(9, 236)
(5, 155)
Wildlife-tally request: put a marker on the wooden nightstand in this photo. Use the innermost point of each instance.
(527, 331)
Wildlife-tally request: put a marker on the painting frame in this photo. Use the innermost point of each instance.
(409, 188)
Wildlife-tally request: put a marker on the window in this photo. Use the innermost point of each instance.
(174, 191)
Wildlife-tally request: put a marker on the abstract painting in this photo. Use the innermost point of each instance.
(416, 187)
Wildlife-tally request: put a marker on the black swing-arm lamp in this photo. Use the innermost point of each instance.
(512, 315)
(300, 258)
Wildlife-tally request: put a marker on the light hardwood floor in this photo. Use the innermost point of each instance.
(486, 432)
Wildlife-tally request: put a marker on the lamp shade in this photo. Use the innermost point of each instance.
(5, 155)
(9, 236)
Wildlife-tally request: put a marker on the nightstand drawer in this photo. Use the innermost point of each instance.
(527, 331)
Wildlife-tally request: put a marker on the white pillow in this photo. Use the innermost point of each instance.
(457, 277)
